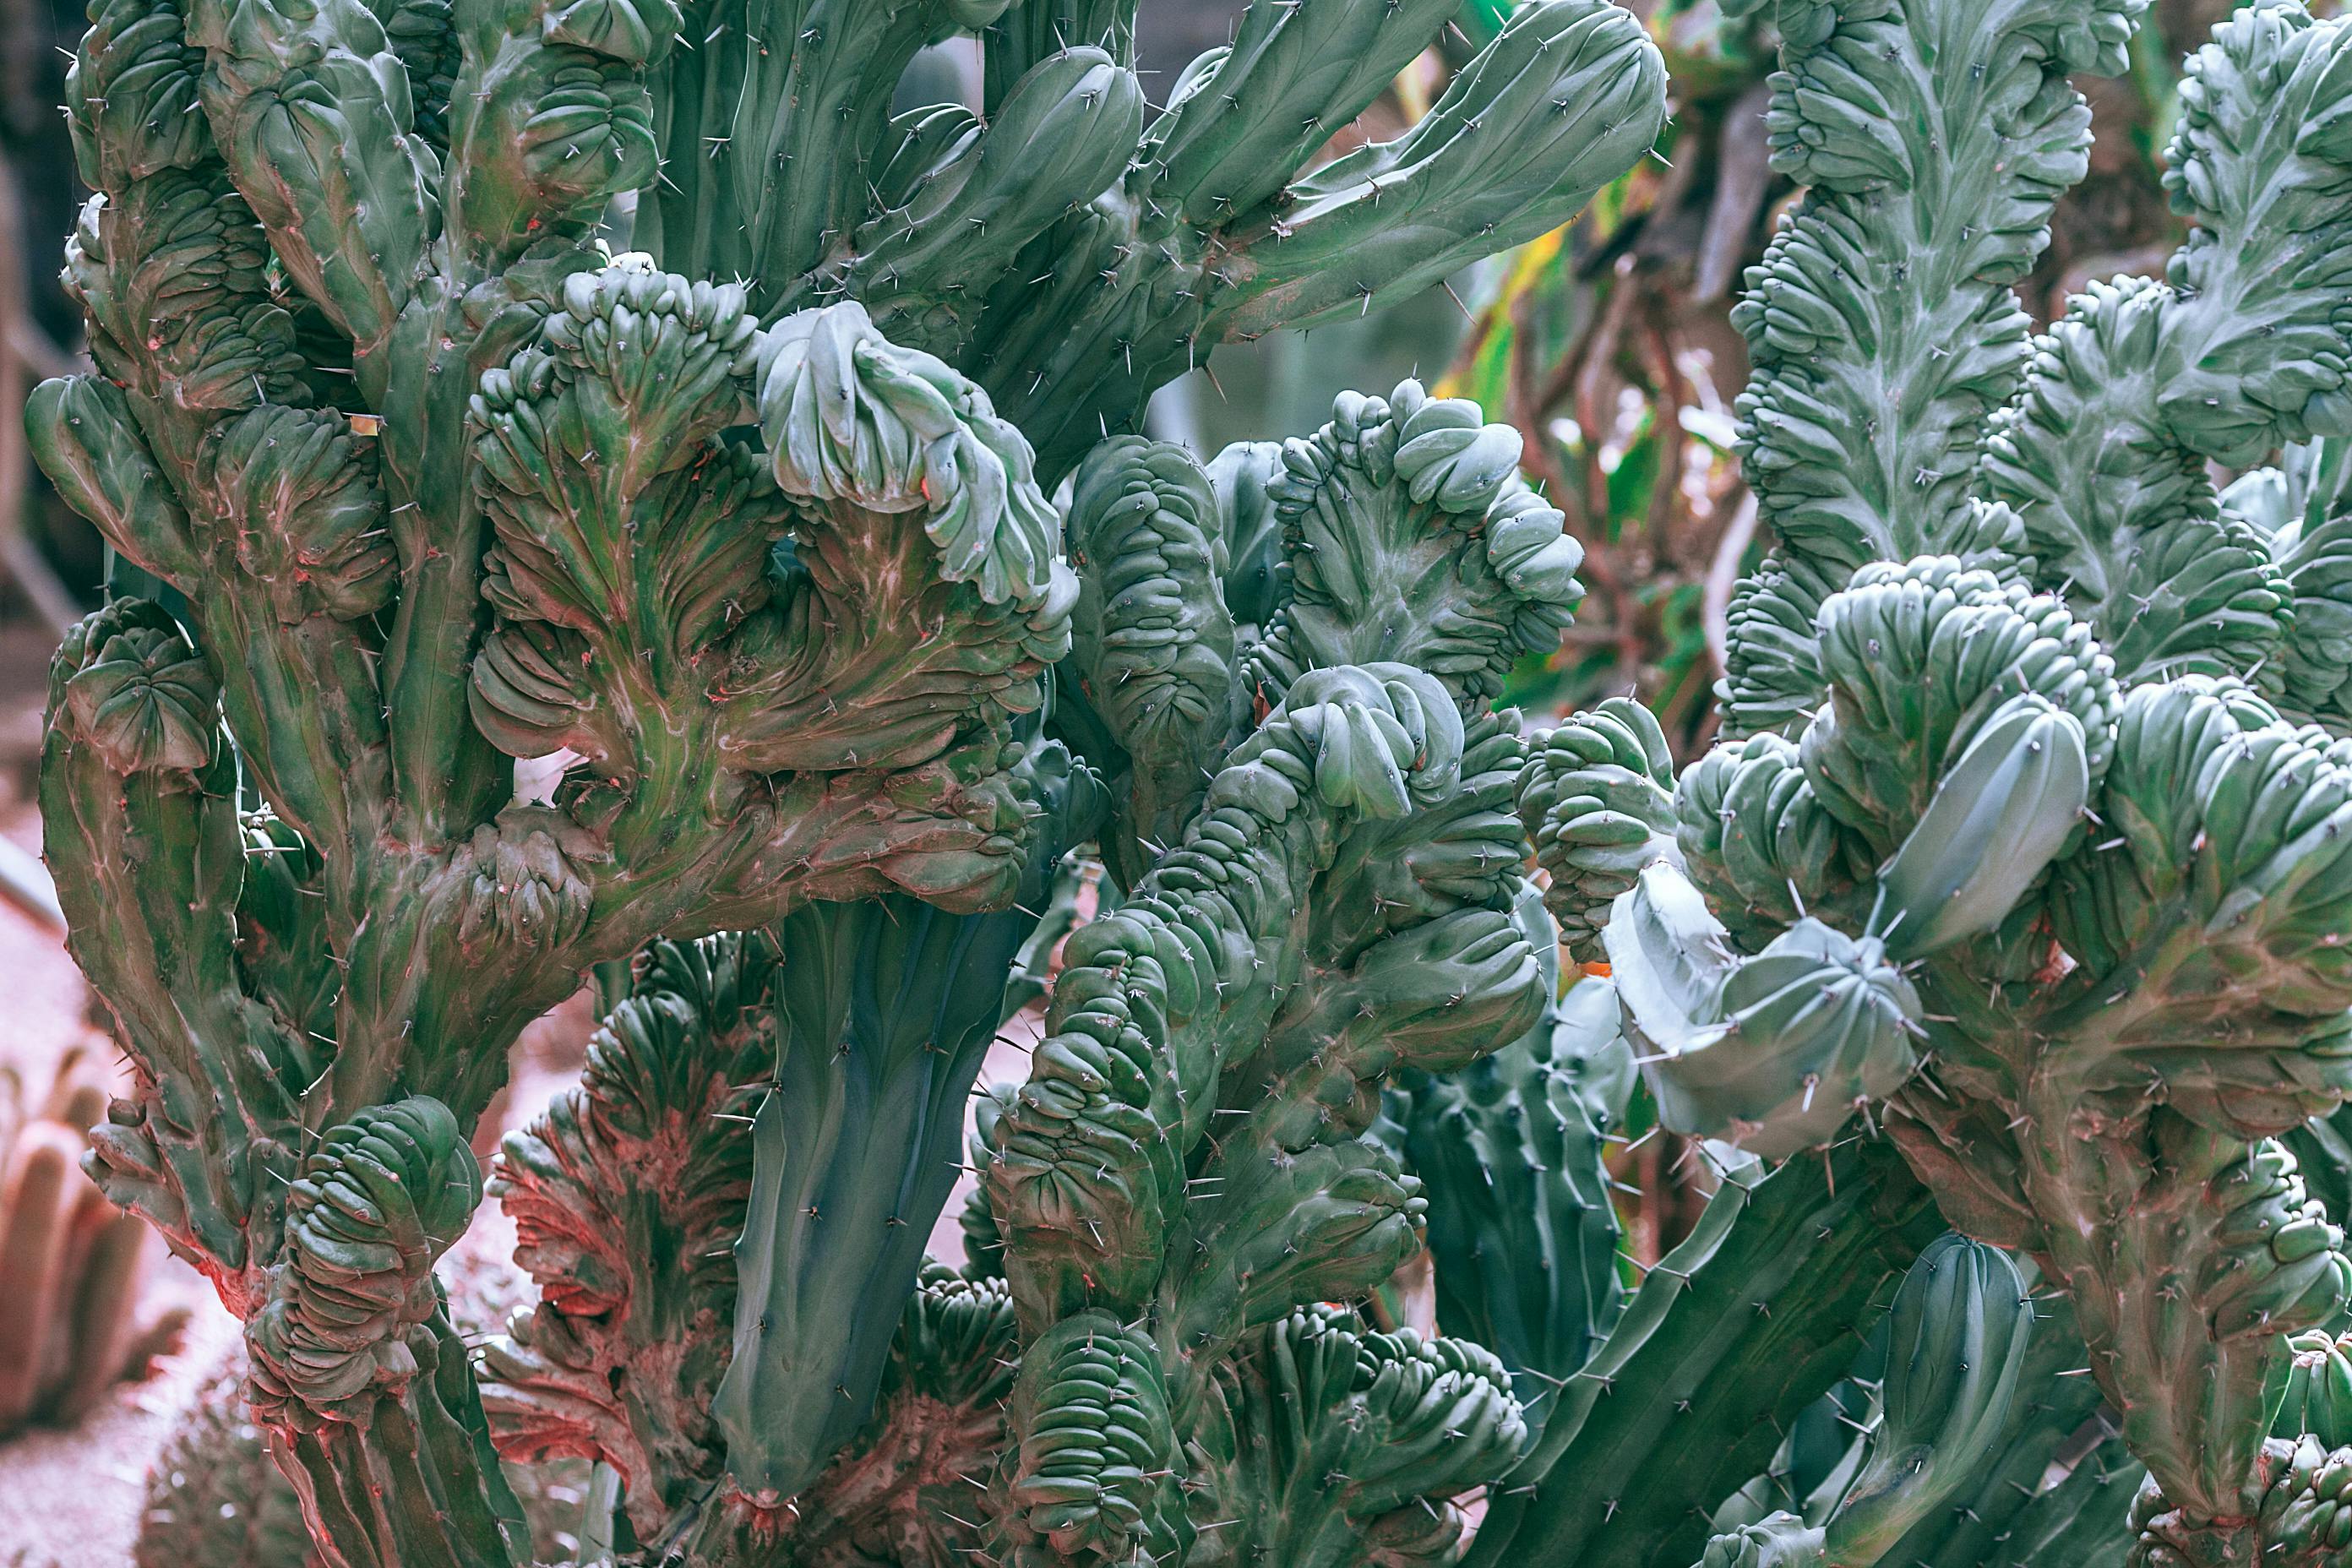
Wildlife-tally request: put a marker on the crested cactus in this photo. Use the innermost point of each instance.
(747, 529)
(2027, 833)
(1139, 1362)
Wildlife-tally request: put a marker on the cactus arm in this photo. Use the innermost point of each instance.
(549, 118)
(36, 1206)
(1094, 1477)
(313, 117)
(1243, 122)
(277, 501)
(1880, 323)
(1729, 1336)
(1132, 290)
(1023, 34)
(85, 441)
(1566, 97)
(137, 792)
(1598, 799)
(354, 1367)
(1063, 135)
(1328, 1439)
(883, 1012)
(2006, 1515)
(1431, 561)
(1407, 538)
(1151, 638)
(1959, 1331)
(626, 1195)
(2232, 357)
(1955, 1345)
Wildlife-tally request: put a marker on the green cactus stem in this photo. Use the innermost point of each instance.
(1730, 1336)
(882, 1014)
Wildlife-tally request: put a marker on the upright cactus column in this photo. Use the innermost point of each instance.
(443, 483)
(2031, 823)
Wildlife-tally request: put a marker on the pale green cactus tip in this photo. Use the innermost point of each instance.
(425, 396)
(2030, 832)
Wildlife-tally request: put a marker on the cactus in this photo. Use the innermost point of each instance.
(1733, 1334)
(1345, 903)
(2026, 831)
(71, 1265)
(1960, 1327)
(1522, 1231)
(435, 481)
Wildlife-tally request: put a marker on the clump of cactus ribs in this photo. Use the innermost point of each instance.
(2032, 834)
(742, 514)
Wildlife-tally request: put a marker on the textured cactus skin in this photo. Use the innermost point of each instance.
(1958, 1333)
(1729, 1337)
(2020, 696)
(1522, 1233)
(1345, 1445)
(443, 482)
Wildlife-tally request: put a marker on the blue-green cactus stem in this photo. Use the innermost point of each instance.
(1732, 1332)
(884, 1011)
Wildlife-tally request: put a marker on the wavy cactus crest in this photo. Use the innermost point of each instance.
(420, 472)
(2026, 711)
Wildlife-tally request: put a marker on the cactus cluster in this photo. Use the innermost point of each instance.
(2026, 836)
(71, 1265)
(806, 546)
(624, 385)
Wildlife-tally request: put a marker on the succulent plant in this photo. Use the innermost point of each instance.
(1958, 1333)
(747, 529)
(770, 1123)
(71, 1265)
(2025, 834)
